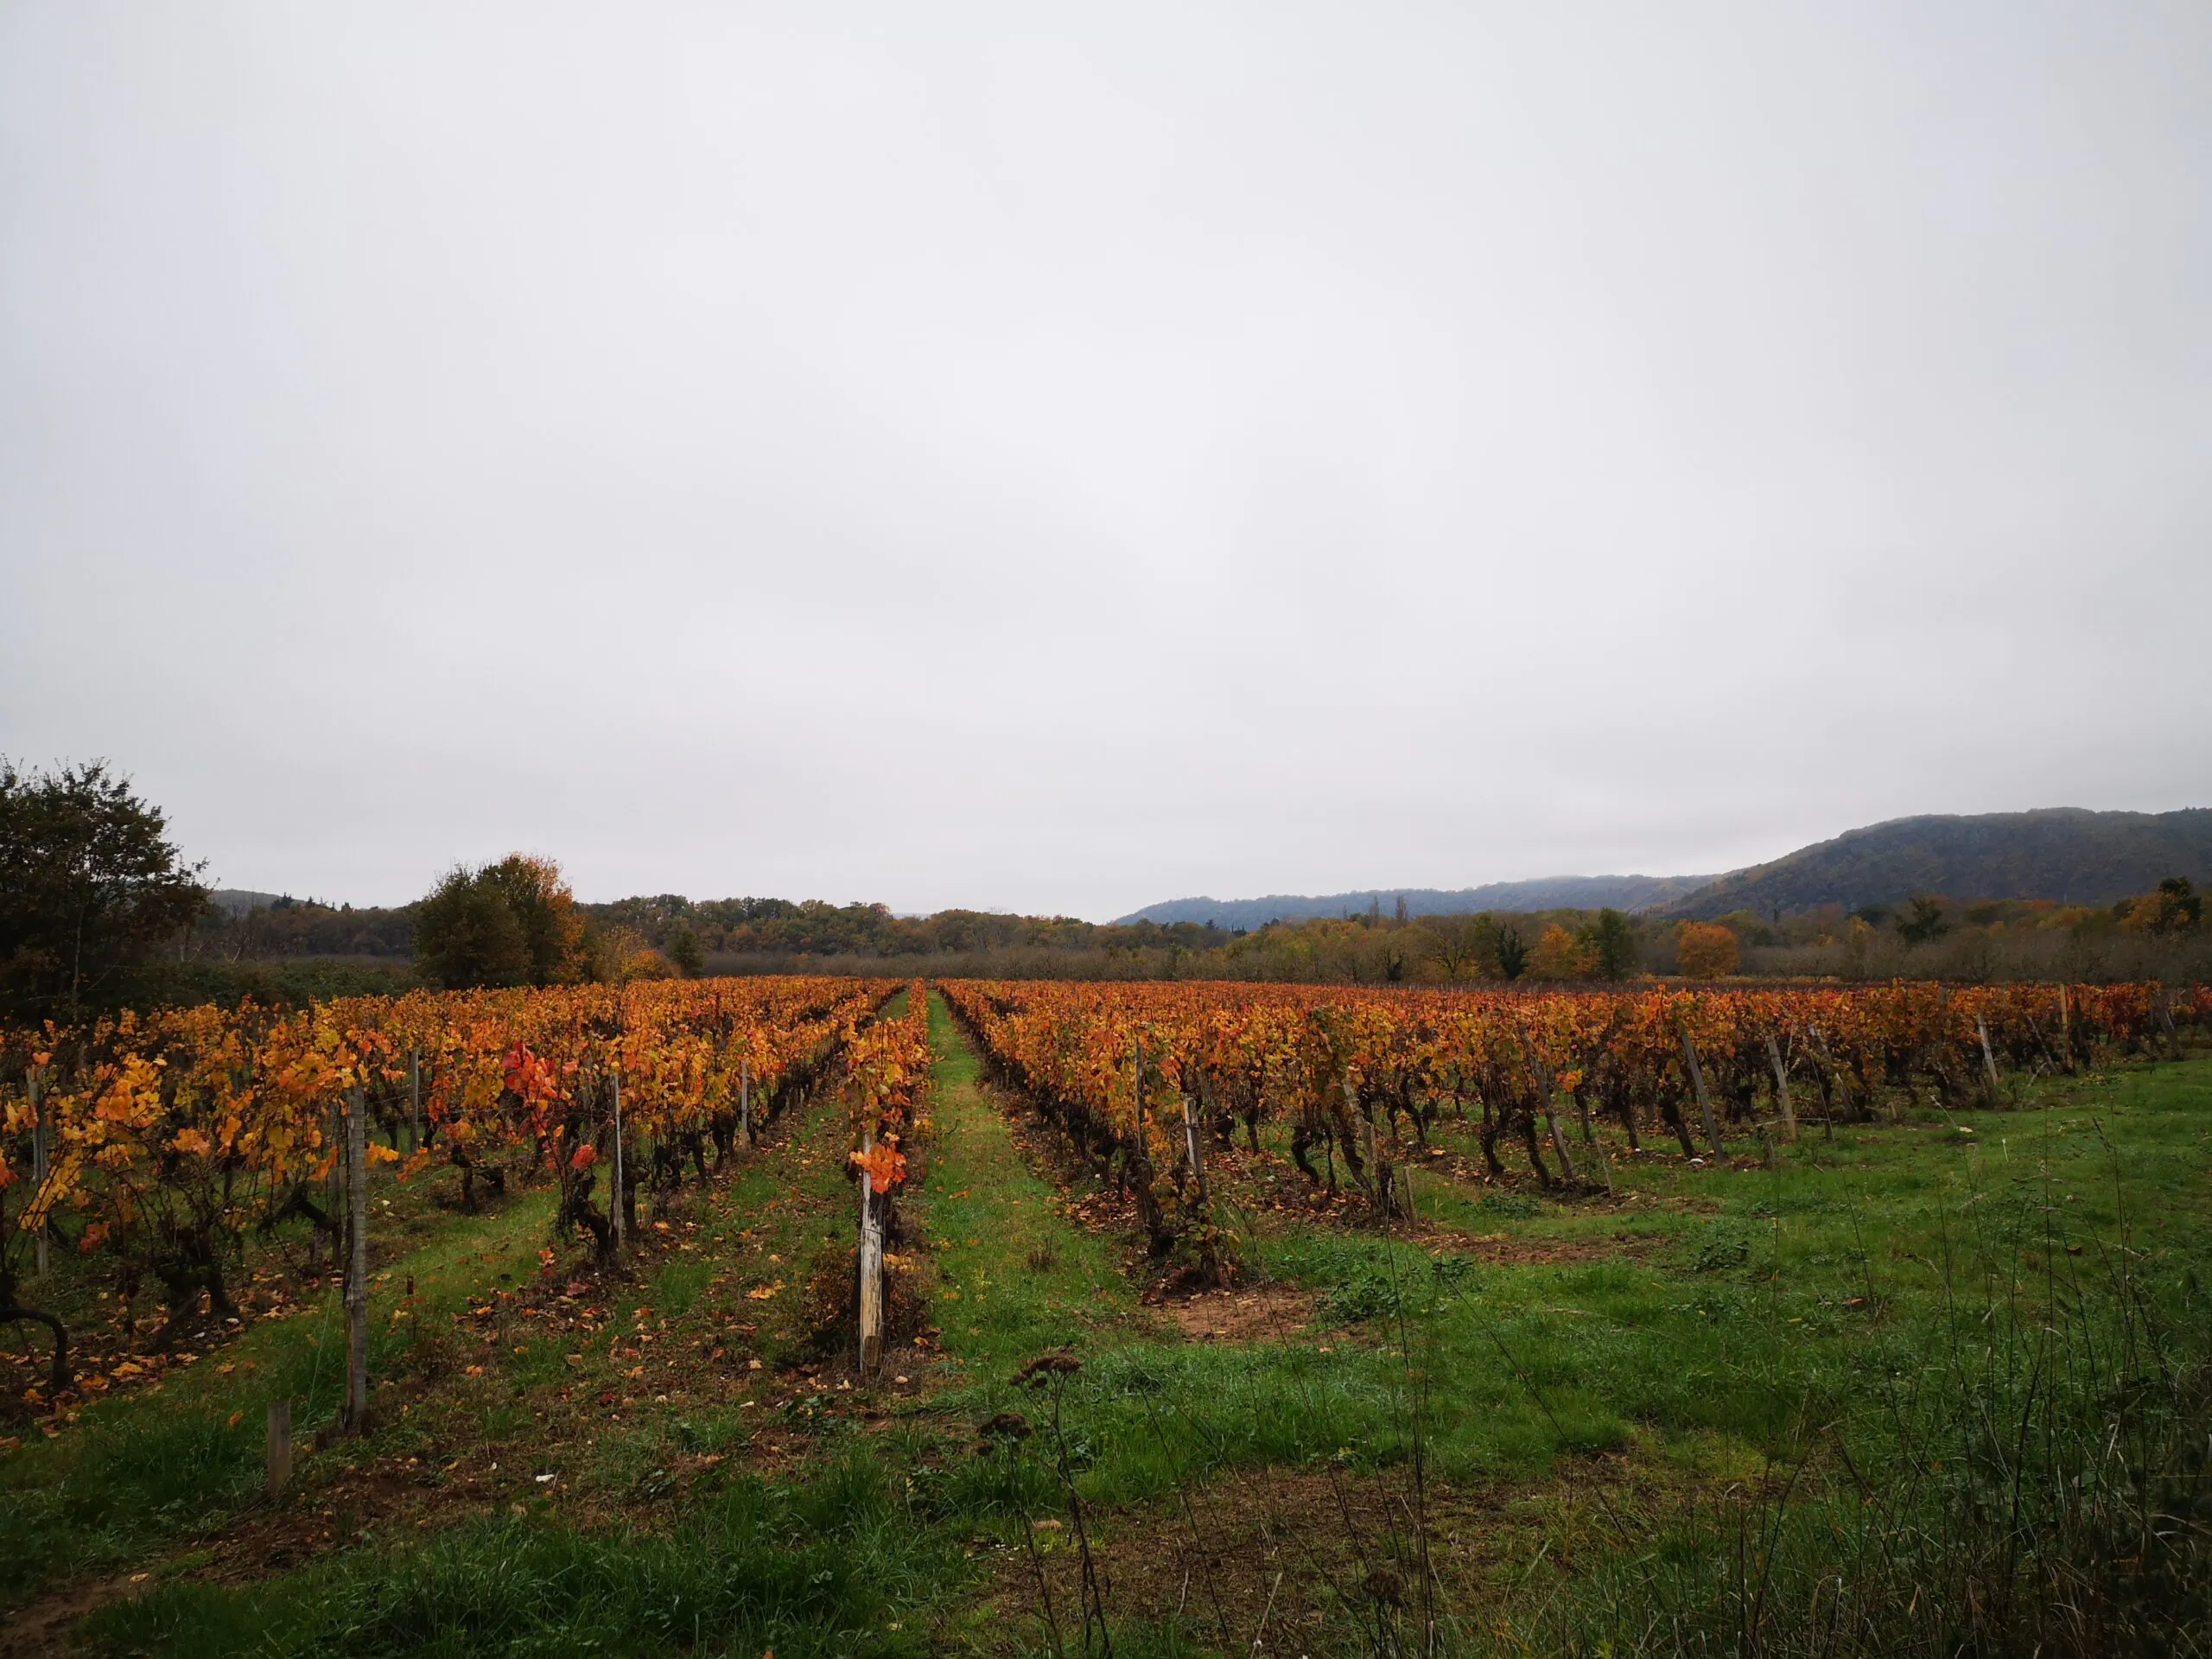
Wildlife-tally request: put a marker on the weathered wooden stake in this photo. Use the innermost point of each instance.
(1190, 1140)
(871, 1264)
(1988, 1059)
(335, 1199)
(280, 1446)
(744, 1102)
(2163, 1006)
(1782, 1087)
(1704, 1100)
(38, 1163)
(1546, 1086)
(614, 1200)
(414, 1101)
(357, 1261)
(2065, 1032)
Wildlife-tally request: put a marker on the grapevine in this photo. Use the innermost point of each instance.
(169, 1138)
(1113, 1065)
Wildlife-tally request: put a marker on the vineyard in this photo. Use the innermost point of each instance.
(834, 1315)
(160, 1146)
(1142, 1077)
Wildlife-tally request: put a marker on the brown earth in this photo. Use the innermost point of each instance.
(1293, 1561)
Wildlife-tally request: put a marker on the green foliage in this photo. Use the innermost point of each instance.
(1924, 923)
(278, 983)
(682, 949)
(1512, 951)
(90, 887)
(1614, 942)
(511, 923)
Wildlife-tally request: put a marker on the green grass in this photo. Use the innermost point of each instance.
(825, 1568)
(145, 1469)
(1014, 1276)
(1871, 1310)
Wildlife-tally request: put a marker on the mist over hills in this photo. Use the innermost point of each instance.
(2067, 854)
(1629, 893)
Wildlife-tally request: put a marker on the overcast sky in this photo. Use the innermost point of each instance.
(1063, 458)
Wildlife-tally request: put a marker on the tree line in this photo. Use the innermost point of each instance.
(99, 909)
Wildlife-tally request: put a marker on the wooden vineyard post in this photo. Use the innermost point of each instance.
(414, 1101)
(871, 1263)
(2065, 1032)
(1380, 1170)
(1782, 1087)
(1136, 1085)
(357, 1261)
(1191, 1141)
(1697, 1083)
(280, 1446)
(38, 1161)
(335, 1199)
(1988, 1059)
(1546, 1088)
(614, 1198)
(744, 1102)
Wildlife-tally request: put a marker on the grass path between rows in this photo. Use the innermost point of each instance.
(1015, 1278)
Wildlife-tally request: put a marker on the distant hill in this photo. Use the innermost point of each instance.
(1630, 893)
(236, 901)
(2061, 853)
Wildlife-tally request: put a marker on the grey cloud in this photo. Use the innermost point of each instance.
(1059, 461)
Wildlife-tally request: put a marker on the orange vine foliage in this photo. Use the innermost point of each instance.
(886, 1075)
(170, 1135)
(1113, 1063)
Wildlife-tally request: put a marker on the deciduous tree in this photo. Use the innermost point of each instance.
(1705, 949)
(511, 923)
(1613, 942)
(1559, 955)
(90, 887)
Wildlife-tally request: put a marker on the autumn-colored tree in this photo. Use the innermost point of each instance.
(1704, 951)
(1559, 955)
(616, 955)
(1457, 945)
(2171, 908)
(552, 926)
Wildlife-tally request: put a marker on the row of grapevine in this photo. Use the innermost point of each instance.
(160, 1142)
(888, 1073)
(1124, 1069)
